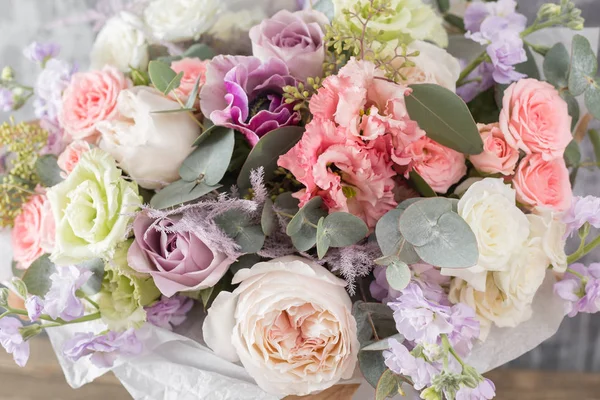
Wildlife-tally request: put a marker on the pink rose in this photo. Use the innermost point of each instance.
(91, 97)
(295, 38)
(439, 166)
(497, 156)
(69, 158)
(192, 68)
(33, 232)
(541, 183)
(535, 119)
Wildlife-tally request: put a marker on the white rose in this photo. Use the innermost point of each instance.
(290, 324)
(550, 231)
(232, 24)
(121, 44)
(432, 65)
(149, 147)
(500, 227)
(180, 20)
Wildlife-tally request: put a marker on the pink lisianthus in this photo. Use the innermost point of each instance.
(33, 232)
(541, 183)
(440, 166)
(535, 119)
(498, 157)
(192, 68)
(69, 158)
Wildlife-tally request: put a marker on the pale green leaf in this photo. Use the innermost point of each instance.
(180, 192)
(239, 226)
(161, 75)
(194, 94)
(443, 5)
(326, 7)
(47, 169)
(382, 344)
(37, 276)
(387, 386)
(94, 283)
(573, 107)
(209, 162)
(556, 66)
(595, 139)
(174, 84)
(584, 65)
(398, 275)
(372, 366)
(572, 154)
(268, 219)
(174, 110)
(422, 187)
(322, 239)
(344, 229)
(592, 99)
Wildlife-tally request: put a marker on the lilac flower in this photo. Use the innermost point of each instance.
(34, 307)
(424, 275)
(104, 349)
(475, 14)
(380, 289)
(478, 12)
(580, 295)
(50, 84)
(465, 328)
(485, 391)
(400, 361)
(169, 312)
(12, 341)
(480, 80)
(505, 53)
(6, 100)
(41, 52)
(583, 210)
(61, 300)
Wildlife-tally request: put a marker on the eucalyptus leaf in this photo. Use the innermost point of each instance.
(388, 385)
(528, 67)
(584, 65)
(322, 239)
(419, 221)
(398, 275)
(573, 154)
(443, 5)
(445, 117)
(556, 66)
(408, 202)
(305, 239)
(383, 343)
(372, 366)
(390, 240)
(326, 7)
(209, 130)
(199, 50)
(303, 227)
(239, 226)
(194, 94)
(573, 107)
(174, 110)
(180, 192)
(344, 229)
(300, 218)
(592, 99)
(161, 75)
(205, 295)
(209, 162)
(421, 185)
(287, 203)
(94, 283)
(268, 219)
(47, 170)
(245, 261)
(37, 276)
(266, 153)
(595, 139)
(174, 84)
(456, 22)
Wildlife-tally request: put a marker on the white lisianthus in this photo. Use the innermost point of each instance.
(140, 137)
(500, 227)
(290, 324)
(121, 44)
(549, 228)
(180, 20)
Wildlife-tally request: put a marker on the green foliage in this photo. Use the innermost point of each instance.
(326, 7)
(339, 229)
(592, 98)
(389, 385)
(584, 66)
(197, 50)
(163, 77)
(300, 95)
(573, 154)
(209, 162)
(382, 344)
(556, 66)
(443, 5)
(529, 67)
(398, 275)
(422, 187)
(372, 366)
(456, 22)
(37, 276)
(180, 192)
(194, 94)
(595, 139)
(390, 240)
(303, 226)
(47, 170)
(268, 219)
(239, 226)
(94, 283)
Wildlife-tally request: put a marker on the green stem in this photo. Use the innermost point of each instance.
(4, 314)
(188, 113)
(577, 274)
(536, 27)
(284, 214)
(448, 347)
(92, 302)
(470, 68)
(583, 251)
(54, 322)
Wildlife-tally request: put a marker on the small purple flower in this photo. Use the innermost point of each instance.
(485, 391)
(41, 52)
(104, 349)
(580, 295)
(465, 328)
(505, 53)
(245, 94)
(481, 79)
(583, 210)
(12, 340)
(50, 84)
(61, 300)
(478, 12)
(34, 307)
(400, 361)
(424, 275)
(6, 100)
(169, 312)
(475, 14)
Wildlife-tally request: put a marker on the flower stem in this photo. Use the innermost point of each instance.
(448, 347)
(189, 113)
(92, 302)
(536, 27)
(470, 68)
(583, 250)
(577, 274)
(54, 322)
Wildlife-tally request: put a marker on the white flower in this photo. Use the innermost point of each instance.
(180, 20)
(290, 324)
(501, 228)
(231, 24)
(150, 147)
(121, 44)
(550, 231)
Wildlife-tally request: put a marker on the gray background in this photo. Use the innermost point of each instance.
(576, 347)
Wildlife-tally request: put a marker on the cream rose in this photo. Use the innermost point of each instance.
(121, 44)
(550, 231)
(432, 65)
(290, 324)
(139, 137)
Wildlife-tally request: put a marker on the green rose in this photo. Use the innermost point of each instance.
(124, 293)
(92, 209)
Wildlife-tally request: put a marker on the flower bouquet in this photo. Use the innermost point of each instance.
(346, 202)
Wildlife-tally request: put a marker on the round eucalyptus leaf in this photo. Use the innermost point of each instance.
(388, 385)
(592, 99)
(584, 65)
(305, 238)
(322, 239)
(37, 276)
(268, 219)
(238, 225)
(419, 222)
(180, 192)
(372, 366)
(556, 65)
(286, 203)
(388, 233)
(311, 212)
(398, 275)
(408, 202)
(48, 171)
(344, 229)
(209, 162)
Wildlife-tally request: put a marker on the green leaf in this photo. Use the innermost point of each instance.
(194, 94)
(573, 107)
(326, 7)
(209, 130)
(245, 261)
(528, 67)
(94, 284)
(443, 5)
(205, 295)
(238, 225)
(382, 344)
(556, 66)
(287, 203)
(174, 110)
(372, 366)
(390, 240)
(420, 185)
(47, 169)
(322, 239)
(268, 219)
(445, 117)
(301, 219)
(180, 192)
(456, 22)
(37, 276)
(484, 107)
(174, 84)
(344, 229)
(162, 76)
(302, 228)
(398, 275)
(367, 313)
(592, 99)
(573, 154)
(584, 66)
(199, 50)
(209, 162)
(388, 385)
(595, 139)
(267, 152)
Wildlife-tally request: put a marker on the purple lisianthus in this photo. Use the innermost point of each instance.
(61, 300)
(12, 340)
(169, 312)
(34, 307)
(486, 390)
(583, 210)
(7, 100)
(580, 295)
(104, 349)
(246, 94)
(41, 52)
(177, 261)
(295, 38)
(400, 361)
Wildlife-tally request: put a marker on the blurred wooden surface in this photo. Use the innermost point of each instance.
(42, 378)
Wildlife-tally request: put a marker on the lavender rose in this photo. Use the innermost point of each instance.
(245, 94)
(177, 261)
(295, 38)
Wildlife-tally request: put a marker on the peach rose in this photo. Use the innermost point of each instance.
(33, 233)
(192, 68)
(497, 156)
(69, 158)
(535, 119)
(541, 183)
(91, 97)
(440, 166)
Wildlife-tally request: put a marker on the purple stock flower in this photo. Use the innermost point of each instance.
(245, 94)
(169, 312)
(41, 52)
(61, 300)
(34, 307)
(583, 210)
(104, 349)
(465, 328)
(580, 295)
(6, 100)
(424, 275)
(400, 361)
(12, 340)
(478, 12)
(505, 53)
(486, 390)
(481, 79)
(50, 84)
